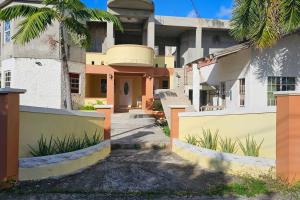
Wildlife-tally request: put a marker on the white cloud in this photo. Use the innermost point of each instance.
(192, 14)
(224, 12)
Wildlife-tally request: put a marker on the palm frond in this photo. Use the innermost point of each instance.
(34, 25)
(16, 11)
(101, 15)
(78, 32)
(290, 12)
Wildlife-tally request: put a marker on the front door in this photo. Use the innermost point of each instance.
(125, 93)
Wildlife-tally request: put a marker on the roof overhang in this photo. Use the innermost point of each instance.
(131, 4)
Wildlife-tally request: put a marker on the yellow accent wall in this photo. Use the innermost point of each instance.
(93, 86)
(33, 125)
(161, 61)
(97, 58)
(260, 126)
(210, 163)
(63, 168)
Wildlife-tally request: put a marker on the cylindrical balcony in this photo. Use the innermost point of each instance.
(130, 55)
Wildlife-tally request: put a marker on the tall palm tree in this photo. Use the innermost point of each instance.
(264, 22)
(71, 15)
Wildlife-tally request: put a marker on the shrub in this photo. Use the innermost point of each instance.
(209, 140)
(87, 107)
(191, 140)
(65, 145)
(251, 147)
(157, 106)
(99, 102)
(228, 145)
(167, 130)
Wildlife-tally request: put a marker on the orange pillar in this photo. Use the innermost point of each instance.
(9, 134)
(288, 136)
(107, 110)
(110, 89)
(174, 111)
(147, 98)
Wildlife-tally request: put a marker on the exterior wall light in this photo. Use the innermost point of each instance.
(110, 76)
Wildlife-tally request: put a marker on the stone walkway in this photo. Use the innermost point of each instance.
(136, 129)
(128, 174)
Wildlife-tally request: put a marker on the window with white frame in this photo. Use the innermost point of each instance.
(75, 83)
(7, 31)
(276, 84)
(7, 79)
(242, 91)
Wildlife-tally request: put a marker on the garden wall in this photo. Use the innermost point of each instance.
(234, 125)
(35, 122)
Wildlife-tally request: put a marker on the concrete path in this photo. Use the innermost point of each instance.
(129, 174)
(136, 129)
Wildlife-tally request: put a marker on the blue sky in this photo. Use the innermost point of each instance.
(219, 9)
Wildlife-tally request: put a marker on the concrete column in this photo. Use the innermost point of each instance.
(110, 94)
(288, 136)
(199, 48)
(110, 38)
(196, 87)
(147, 89)
(107, 110)
(9, 133)
(174, 111)
(151, 32)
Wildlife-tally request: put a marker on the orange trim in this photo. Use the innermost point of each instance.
(288, 138)
(107, 121)
(175, 123)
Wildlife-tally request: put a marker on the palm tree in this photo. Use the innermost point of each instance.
(71, 16)
(264, 22)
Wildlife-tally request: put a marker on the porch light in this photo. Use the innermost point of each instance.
(110, 76)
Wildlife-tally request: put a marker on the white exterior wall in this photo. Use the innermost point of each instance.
(43, 83)
(255, 66)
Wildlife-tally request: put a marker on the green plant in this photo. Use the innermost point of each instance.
(209, 140)
(99, 102)
(44, 147)
(157, 105)
(228, 145)
(166, 130)
(87, 107)
(191, 140)
(251, 147)
(67, 144)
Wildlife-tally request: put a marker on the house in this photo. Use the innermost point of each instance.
(120, 68)
(243, 78)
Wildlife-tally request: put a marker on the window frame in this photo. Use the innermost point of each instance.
(7, 30)
(277, 84)
(7, 79)
(72, 77)
(165, 81)
(242, 92)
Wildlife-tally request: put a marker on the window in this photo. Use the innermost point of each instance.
(7, 79)
(0, 80)
(74, 82)
(276, 84)
(223, 90)
(165, 84)
(103, 86)
(242, 91)
(7, 33)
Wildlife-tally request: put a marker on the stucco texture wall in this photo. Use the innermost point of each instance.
(261, 126)
(35, 124)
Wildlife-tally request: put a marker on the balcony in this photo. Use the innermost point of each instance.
(130, 55)
(131, 4)
(164, 61)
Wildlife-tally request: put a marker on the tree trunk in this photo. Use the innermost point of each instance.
(65, 67)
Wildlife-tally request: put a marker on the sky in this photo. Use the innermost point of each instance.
(216, 9)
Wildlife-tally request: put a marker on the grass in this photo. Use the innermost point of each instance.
(67, 144)
(87, 107)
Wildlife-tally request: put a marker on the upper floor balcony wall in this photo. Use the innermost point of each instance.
(130, 55)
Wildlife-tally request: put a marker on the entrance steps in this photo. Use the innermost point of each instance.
(135, 130)
(172, 97)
